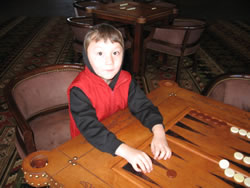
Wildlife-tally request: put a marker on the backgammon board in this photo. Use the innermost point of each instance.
(209, 140)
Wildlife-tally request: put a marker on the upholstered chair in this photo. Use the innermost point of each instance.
(231, 89)
(38, 101)
(180, 39)
(81, 5)
(79, 26)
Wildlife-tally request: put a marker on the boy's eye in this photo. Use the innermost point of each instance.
(99, 53)
(116, 53)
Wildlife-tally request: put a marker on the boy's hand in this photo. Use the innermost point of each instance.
(138, 159)
(159, 145)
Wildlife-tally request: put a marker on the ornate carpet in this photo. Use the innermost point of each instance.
(26, 43)
(30, 42)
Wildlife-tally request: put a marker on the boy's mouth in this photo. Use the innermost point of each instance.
(109, 70)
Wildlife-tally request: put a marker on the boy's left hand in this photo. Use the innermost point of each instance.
(159, 145)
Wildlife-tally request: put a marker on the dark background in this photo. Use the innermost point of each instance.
(206, 9)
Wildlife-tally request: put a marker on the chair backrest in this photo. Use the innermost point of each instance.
(80, 26)
(36, 94)
(231, 89)
(80, 6)
(181, 34)
(43, 91)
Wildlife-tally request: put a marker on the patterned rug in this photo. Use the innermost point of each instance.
(194, 81)
(30, 42)
(26, 43)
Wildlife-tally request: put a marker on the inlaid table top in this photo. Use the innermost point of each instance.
(133, 12)
(201, 132)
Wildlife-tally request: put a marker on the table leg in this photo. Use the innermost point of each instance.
(138, 44)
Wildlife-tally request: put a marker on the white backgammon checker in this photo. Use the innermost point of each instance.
(238, 177)
(242, 132)
(224, 163)
(234, 130)
(246, 160)
(229, 172)
(238, 155)
(247, 182)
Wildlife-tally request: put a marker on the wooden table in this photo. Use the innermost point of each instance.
(198, 132)
(137, 14)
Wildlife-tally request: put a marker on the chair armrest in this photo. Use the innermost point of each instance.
(29, 141)
(26, 142)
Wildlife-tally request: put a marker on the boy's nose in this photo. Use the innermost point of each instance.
(109, 59)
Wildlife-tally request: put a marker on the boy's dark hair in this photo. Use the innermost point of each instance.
(103, 32)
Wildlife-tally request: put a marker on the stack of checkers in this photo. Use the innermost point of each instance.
(242, 132)
(229, 172)
(238, 155)
(224, 163)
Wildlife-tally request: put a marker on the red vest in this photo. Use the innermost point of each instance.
(105, 100)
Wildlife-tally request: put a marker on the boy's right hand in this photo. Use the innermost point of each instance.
(138, 159)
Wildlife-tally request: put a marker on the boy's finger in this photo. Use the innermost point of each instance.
(168, 154)
(140, 166)
(157, 152)
(162, 154)
(153, 149)
(147, 162)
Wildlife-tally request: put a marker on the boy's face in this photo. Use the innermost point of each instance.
(105, 58)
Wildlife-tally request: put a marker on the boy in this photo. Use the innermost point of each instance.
(102, 89)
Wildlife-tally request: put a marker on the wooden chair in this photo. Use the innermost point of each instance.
(38, 101)
(80, 6)
(231, 89)
(180, 39)
(80, 26)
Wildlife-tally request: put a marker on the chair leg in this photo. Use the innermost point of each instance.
(165, 59)
(194, 66)
(194, 63)
(144, 62)
(77, 57)
(161, 57)
(178, 71)
(145, 84)
(127, 60)
(143, 71)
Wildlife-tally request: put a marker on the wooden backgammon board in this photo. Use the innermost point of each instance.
(209, 140)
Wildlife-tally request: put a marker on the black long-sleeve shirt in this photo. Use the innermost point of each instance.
(95, 132)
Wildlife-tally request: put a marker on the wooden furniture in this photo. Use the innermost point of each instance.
(38, 101)
(80, 6)
(80, 26)
(198, 132)
(233, 89)
(180, 39)
(136, 14)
